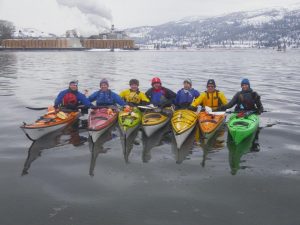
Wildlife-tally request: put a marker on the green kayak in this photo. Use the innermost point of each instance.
(236, 151)
(129, 120)
(242, 127)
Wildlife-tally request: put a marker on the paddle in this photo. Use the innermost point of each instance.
(209, 111)
(36, 108)
(43, 108)
(250, 111)
(151, 106)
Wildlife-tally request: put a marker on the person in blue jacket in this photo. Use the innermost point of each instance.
(71, 98)
(106, 97)
(186, 95)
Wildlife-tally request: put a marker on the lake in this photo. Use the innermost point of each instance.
(63, 179)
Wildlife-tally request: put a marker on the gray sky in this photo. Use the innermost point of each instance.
(90, 16)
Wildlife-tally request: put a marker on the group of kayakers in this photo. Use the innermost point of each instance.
(160, 96)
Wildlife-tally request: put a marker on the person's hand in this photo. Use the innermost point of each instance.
(192, 108)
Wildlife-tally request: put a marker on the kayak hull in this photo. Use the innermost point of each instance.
(48, 123)
(183, 123)
(153, 121)
(100, 120)
(242, 127)
(209, 124)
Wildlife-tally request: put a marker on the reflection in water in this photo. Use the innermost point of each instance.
(186, 148)
(8, 73)
(250, 144)
(97, 147)
(127, 143)
(213, 144)
(69, 135)
(162, 135)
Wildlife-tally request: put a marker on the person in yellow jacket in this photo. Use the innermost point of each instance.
(134, 96)
(212, 97)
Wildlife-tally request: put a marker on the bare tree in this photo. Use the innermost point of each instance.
(7, 29)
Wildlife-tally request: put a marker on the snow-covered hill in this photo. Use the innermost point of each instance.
(260, 28)
(31, 33)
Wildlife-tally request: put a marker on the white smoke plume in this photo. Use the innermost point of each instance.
(96, 12)
(56, 16)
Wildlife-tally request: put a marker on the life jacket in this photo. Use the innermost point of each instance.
(213, 102)
(185, 96)
(157, 96)
(247, 100)
(105, 98)
(133, 97)
(70, 99)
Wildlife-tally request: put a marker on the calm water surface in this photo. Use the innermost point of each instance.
(66, 180)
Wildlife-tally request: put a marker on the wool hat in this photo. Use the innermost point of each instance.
(104, 81)
(211, 81)
(245, 81)
(187, 80)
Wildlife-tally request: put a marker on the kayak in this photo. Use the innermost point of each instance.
(48, 123)
(236, 151)
(129, 120)
(242, 127)
(183, 123)
(152, 121)
(100, 120)
(209, 123)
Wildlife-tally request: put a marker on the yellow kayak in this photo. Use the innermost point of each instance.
(183, 123)
(153, 121)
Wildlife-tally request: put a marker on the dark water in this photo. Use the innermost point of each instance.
(66, 180)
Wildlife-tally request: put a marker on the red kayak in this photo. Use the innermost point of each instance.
(100, 120)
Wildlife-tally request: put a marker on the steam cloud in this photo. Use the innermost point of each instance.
(56, 16)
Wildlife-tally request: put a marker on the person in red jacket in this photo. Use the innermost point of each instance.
(159, 95)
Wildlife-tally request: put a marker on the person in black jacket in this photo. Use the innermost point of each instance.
(245, 100)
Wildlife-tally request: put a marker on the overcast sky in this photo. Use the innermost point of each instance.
(90, 16)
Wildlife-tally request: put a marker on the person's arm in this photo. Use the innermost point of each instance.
(84, 100)
(123, 94)
(233, 102)
(144, 99)
(198, 101)
(148, 94)
(258, 104)
(177, 98)
(93, 96)
(59, 98)
(196, 93)
(222, 98)
(171, 95)
(118, 99)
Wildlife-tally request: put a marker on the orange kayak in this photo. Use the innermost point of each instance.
(210, 123)
(48, 123)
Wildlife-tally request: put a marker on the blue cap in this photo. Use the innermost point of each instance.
(245, 81)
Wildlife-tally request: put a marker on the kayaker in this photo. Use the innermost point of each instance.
(212, 97)
(71, 98)
(133, 96)
(186, 95)
(159, 95)
(245, 100)
(105, 96)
